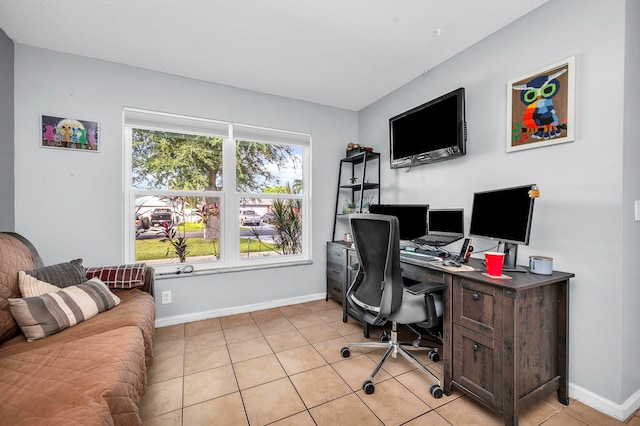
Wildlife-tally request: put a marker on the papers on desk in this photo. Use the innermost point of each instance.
(461, 268)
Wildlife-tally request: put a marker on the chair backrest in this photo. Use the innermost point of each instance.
(376, 291)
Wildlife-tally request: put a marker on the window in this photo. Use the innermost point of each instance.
(214, 195)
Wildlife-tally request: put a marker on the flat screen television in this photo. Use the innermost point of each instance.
(504, 215)
(434, 131)
(412, 218)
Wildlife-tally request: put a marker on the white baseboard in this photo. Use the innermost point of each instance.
(216, 313)
(617, 411)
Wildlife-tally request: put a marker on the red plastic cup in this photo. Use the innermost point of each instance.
(494, 261)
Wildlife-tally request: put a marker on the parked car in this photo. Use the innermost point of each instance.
(249, 217)
(268, 217)
(161, 215)
(141, 222)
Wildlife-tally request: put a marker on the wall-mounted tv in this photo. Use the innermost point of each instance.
(434, 131)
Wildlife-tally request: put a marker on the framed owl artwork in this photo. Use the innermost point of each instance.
(540, 107)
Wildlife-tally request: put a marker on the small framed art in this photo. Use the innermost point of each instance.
(540, 107)
(69, 133)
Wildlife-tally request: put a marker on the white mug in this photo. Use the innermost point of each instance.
(542, 265)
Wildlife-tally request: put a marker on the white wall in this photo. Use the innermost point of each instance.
(70, 204)
(578, 220)
(6, 134)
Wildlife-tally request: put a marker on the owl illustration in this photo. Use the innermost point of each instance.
(540, 116)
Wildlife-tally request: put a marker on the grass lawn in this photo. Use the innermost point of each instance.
(154, 249)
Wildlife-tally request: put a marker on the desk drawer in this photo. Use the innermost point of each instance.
(477, 365)
(336, 263)
(421, 273)
(478, 307)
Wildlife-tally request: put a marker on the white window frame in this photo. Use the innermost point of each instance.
(230, 259)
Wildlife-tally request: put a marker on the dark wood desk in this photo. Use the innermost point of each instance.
(505, 342)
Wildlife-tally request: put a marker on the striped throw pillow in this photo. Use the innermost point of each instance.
(47, 314)
(120, 276)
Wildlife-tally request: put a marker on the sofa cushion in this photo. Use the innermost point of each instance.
(61, 274)
(42, 316)
(120, 276)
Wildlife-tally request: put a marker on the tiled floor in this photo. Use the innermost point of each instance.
(283, 366)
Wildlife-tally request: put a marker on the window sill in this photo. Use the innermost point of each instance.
(231, 269)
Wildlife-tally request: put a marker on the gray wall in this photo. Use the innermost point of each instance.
(6, 134)
(583, 218)
(70, 204)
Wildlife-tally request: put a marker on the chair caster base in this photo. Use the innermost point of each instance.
(436, 391)
(368, 387)
(345, 352)
(434, 356)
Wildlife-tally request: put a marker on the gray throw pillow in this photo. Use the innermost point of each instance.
(62, 274)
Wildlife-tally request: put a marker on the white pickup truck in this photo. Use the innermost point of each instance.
(249, 217)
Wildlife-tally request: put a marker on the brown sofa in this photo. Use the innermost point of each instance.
(92, 373)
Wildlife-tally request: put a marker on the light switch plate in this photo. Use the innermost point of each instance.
(637, 206)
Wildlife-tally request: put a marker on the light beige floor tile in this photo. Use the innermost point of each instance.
(165, 368)
(170, 332)
(588, 415)
(305, 320)
(465, 411)
(430, 419)
(258, 371)
(293, 310)
(319, 332)
(271, 401)
(393, 403)
(319, 385)
(204, 326)
(168, 348)
(209, 384)
(393, 366)
(564, 419)
(173, 418)
(275, 326)
(239, 320)
(266, 315)
(420, 384)
(247, 349)
(226, 410)
(348, 410)
(243, 332)
(300, 359)
(161, 398)
(300, 419)
(355, 370)
(330, 349)
(204, 359)
(537, 414)
(331, 315)
(286, 340)
(201, 341)
(351, 327)
(320, 305)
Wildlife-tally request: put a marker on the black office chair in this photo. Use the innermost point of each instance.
(379, 295)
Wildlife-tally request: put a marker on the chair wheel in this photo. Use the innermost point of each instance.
(384, 337)
(368, 387)
(345, 352)
(436, 391)
(434, 356)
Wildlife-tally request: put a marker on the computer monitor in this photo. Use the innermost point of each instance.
(412, 218)
(504, 215)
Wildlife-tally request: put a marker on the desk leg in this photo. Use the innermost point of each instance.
(447, 336)
(563, 342)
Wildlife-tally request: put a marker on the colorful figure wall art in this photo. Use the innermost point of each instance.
(541, 107)
(69, 133)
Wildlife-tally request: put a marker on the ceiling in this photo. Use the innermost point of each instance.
(341, 53)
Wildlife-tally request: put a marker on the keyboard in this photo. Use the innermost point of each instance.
(418, 256)
(437, 240)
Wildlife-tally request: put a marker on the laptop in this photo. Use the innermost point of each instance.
(444, 226)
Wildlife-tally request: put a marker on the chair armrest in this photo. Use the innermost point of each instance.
(426, 288)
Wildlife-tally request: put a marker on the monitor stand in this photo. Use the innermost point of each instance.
(511, 258)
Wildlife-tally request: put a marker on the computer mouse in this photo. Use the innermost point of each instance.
(451, 263)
